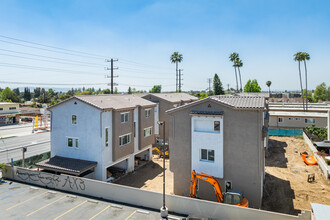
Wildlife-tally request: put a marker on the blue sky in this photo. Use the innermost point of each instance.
(143, 35)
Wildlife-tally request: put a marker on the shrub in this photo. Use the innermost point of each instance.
(318, 131)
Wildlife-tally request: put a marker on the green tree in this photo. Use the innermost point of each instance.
(105, 91)
(217, 85)
(320, 92)
(328, 94)
(7, 95)
(86, 92)
(176, 58)
(156, 89)
(16, 91)
(27, 94)
(252, 86)
(298, 57)
(129, 90)
(233, 57)
(37, 92)
(116, 91)
(268, 83)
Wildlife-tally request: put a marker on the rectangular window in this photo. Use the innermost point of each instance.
(134, 129)
(207, 155)
(217, 126)
(77, 144)
(74, 119)
(147, 113)
(106, 137)
(1, 109)
(12, 108)
(70, 144)
(147, 132)
(124, 117)
(125, 139)
(290, 119)
(297, 119)
(280, 119)
(309, 120)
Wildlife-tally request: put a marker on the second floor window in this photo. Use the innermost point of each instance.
(124, 117)
(1, 109)
(310, 120)
(12, 108)
(280, 119)
(74, 119)
(217, 126)
(147, 132)
(106, 137)
(70, 142)
(73, 142)
(148, 112)
(125, 139)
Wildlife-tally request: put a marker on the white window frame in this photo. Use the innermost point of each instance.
(72, 119)
(219, 126)
(308, 122)
(207, 155)
(125, 121)
(106, 136)
(280, 119)
(74, 142)
(130, 139)
(144, 132)
(67, 142)
(146, 112)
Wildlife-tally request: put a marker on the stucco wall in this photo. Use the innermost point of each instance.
(243, 152)
(273, 122)
(5, 108)
(146, 123)
(121, 129)
(87, 130)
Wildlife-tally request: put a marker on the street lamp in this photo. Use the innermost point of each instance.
(163, 209)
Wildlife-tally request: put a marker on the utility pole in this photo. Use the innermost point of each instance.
(209, 80)
(180, 79)
(111, 76)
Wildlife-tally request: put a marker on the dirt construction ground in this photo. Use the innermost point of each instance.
(150, 177)
(286, 188)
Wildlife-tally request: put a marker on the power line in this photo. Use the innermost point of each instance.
(48, 57)
(45, 69)
(29, 58)
(142, 64)
(54, 84)
(58, 48)
(47, 49)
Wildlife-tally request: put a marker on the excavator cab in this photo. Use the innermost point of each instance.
(232, 197)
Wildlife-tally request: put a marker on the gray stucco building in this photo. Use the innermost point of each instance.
(223, 136)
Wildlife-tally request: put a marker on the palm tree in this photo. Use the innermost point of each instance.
(176, 58)
(305, 56)
(298, 57)
(239, 64)
(268, 83)
(233, 58)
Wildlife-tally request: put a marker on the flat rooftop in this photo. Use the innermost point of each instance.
(21, 201)
(298, 114)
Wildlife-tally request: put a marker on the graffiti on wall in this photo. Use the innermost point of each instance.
(51, 180)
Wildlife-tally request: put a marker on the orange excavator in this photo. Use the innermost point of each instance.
(231, 197)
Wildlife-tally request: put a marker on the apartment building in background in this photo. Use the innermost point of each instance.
(92, 134)
(9, 113)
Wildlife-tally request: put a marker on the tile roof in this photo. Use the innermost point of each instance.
(66, 165)
(174, 97)
(113, 101)
(236, 102)
(241, 102)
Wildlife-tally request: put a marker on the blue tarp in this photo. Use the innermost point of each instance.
(285, 132)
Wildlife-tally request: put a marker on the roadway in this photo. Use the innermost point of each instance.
(15, 130)
(12, 142)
